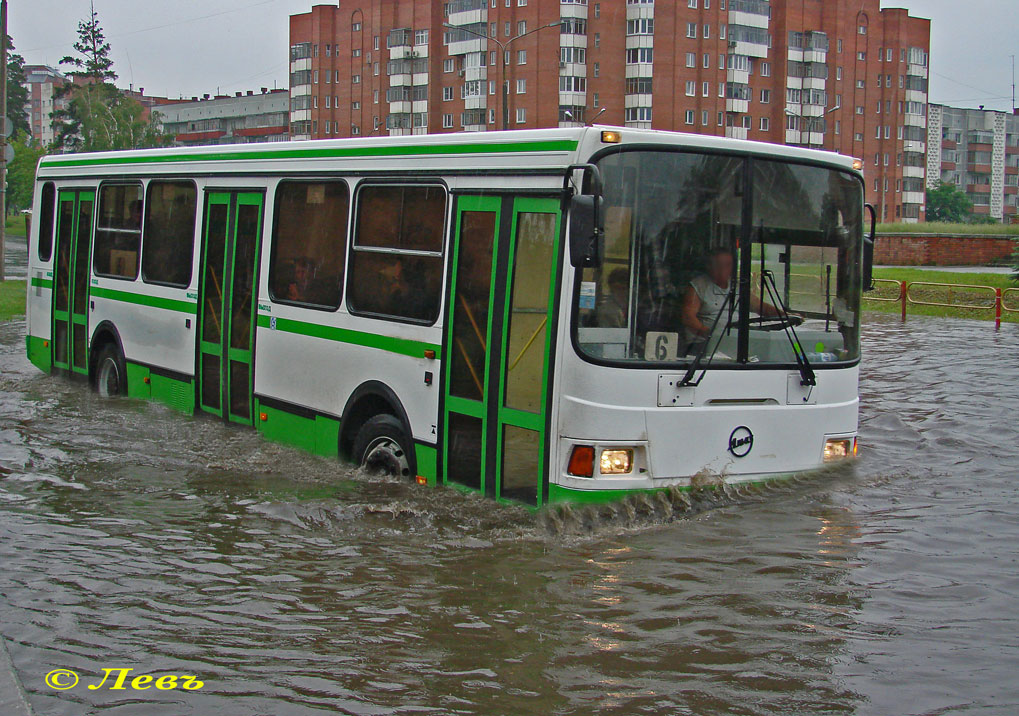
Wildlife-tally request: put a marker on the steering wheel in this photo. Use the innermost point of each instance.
(770, 323)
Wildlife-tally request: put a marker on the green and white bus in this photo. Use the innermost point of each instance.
(548, 315)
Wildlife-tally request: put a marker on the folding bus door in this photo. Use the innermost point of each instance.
(498, 346)
(70, 286)
(230, 249)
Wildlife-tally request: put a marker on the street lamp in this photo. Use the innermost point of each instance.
(811, 120)
(502, 59)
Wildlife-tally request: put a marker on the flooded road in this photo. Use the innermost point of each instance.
(133, 537)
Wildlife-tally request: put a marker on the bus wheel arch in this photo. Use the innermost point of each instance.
(107, 365)
(375, 419)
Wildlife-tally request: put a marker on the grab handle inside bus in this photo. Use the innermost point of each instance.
(587, 223)
(868, 250)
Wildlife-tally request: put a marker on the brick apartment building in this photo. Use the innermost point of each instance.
(978, 151)
(828, 74)
(42, 83)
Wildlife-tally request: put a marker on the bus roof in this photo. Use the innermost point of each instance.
(505, 150)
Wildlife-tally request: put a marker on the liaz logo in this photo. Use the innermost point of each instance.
(741, 441)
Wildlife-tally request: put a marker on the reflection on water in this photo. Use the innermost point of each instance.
(131, 536)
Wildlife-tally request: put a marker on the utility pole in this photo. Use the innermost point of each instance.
(3, 135)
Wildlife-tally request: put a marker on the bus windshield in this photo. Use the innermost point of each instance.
(696, 267)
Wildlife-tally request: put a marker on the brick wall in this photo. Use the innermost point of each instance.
(941, 250)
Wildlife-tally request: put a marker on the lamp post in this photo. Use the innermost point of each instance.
(502, 59)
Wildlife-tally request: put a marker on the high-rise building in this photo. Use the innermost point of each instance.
(837, 75)
(978, 151)
(42, 83)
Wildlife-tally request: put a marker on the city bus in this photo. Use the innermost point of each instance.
(571, 314)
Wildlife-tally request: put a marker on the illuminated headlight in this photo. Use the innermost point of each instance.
(616, 462)
(839, 449)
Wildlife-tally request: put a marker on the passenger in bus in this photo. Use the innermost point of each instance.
(306, 287)
(613, 306)
(706, 297)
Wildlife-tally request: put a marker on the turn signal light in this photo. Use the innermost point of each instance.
(610, 137)
(581, 461)
(263, 417)
(857, 164)
(422, 480)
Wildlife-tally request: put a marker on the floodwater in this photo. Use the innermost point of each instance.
(131, 536)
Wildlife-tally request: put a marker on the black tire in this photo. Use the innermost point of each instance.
(383, 446)
(110, 372)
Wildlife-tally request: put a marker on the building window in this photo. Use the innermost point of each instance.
(860, 84)
(353, 105)
(356, 79)
(309, 243)
(707, 32)
(765, 96)
(691, 88)
(521, 115)
(704, 117)
(448, 65)
(861, 55)
(689, 116)
(521, 57)
(522, 86)
(705, 89)
(169, 241)
(859, 109)
(691, 3)
(838, 73)
(596, 102)
(522, 27)
(765, 124)
(329, 49)
(721, 32)
(858, 137)
(315, 80)
(765, 69)
(597, 69)
(447, 121)
(118, 232)
(421, 37)
(640, 55)
(447, 94)
(706, 61)
(638, 114)
(691, 59)
(691, 30)
(862, 29)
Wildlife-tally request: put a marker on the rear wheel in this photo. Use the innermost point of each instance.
(382, 446)
(111, 372)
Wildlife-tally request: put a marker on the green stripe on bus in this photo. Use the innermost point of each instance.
(169, 304)
(403, 346)
(42, 282)
(559, 145)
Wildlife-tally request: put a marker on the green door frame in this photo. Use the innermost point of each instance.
(220, 295)
(77, 261)
(491, 410)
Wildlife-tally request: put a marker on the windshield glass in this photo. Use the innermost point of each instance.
(696, 268)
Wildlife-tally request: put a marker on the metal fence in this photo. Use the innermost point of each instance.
(964, 296)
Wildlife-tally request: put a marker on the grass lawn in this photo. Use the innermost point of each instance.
(15, 225)
(957, 229)
(937, 294)
(12, 299)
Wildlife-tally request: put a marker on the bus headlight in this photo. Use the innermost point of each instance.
(616, 462)
(838, 449)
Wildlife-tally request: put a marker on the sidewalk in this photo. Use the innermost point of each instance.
(12, 695)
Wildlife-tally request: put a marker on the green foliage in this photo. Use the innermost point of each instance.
(17, 92)
(946, 202)
(93, 63)
(98, 116)
(21, 172)
(933, 227)
(12, 299)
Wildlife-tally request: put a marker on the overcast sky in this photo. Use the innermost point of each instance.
(190, 47)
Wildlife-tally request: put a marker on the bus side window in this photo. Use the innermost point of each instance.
(396, 262)
(309, 243)
(169, 240)
(119, 231)
(48, 208)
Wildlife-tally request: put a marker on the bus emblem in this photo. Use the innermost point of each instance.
(741, 441)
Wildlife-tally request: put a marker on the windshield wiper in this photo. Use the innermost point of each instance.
(807, 376)
(688, 377)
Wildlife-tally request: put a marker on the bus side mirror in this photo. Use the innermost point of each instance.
(868, 250)
(586, 230)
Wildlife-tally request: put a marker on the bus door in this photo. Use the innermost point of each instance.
(498, 344)
(230, 244)
(70, 288)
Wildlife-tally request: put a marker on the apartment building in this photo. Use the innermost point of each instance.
(240, 118)
(42, 83)
(978, 151)
(836, 75)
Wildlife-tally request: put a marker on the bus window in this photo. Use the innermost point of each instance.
(118, 234)
(169, 242)
(49, 207)
(396, 264)
(309, 243)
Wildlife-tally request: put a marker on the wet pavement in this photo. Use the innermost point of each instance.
(133, 537)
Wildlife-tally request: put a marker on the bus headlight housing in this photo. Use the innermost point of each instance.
(616, 462)
(839, 449)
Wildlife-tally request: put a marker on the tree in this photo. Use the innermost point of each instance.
(98, 116)
(21, 172)
(17, 93)
(946, 202)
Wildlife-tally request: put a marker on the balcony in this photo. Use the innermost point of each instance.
(736, 132)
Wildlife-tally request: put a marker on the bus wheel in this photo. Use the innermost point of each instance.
(111, 372)
(382, 446)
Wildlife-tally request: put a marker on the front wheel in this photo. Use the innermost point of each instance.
(382, 446)
(111, 373)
